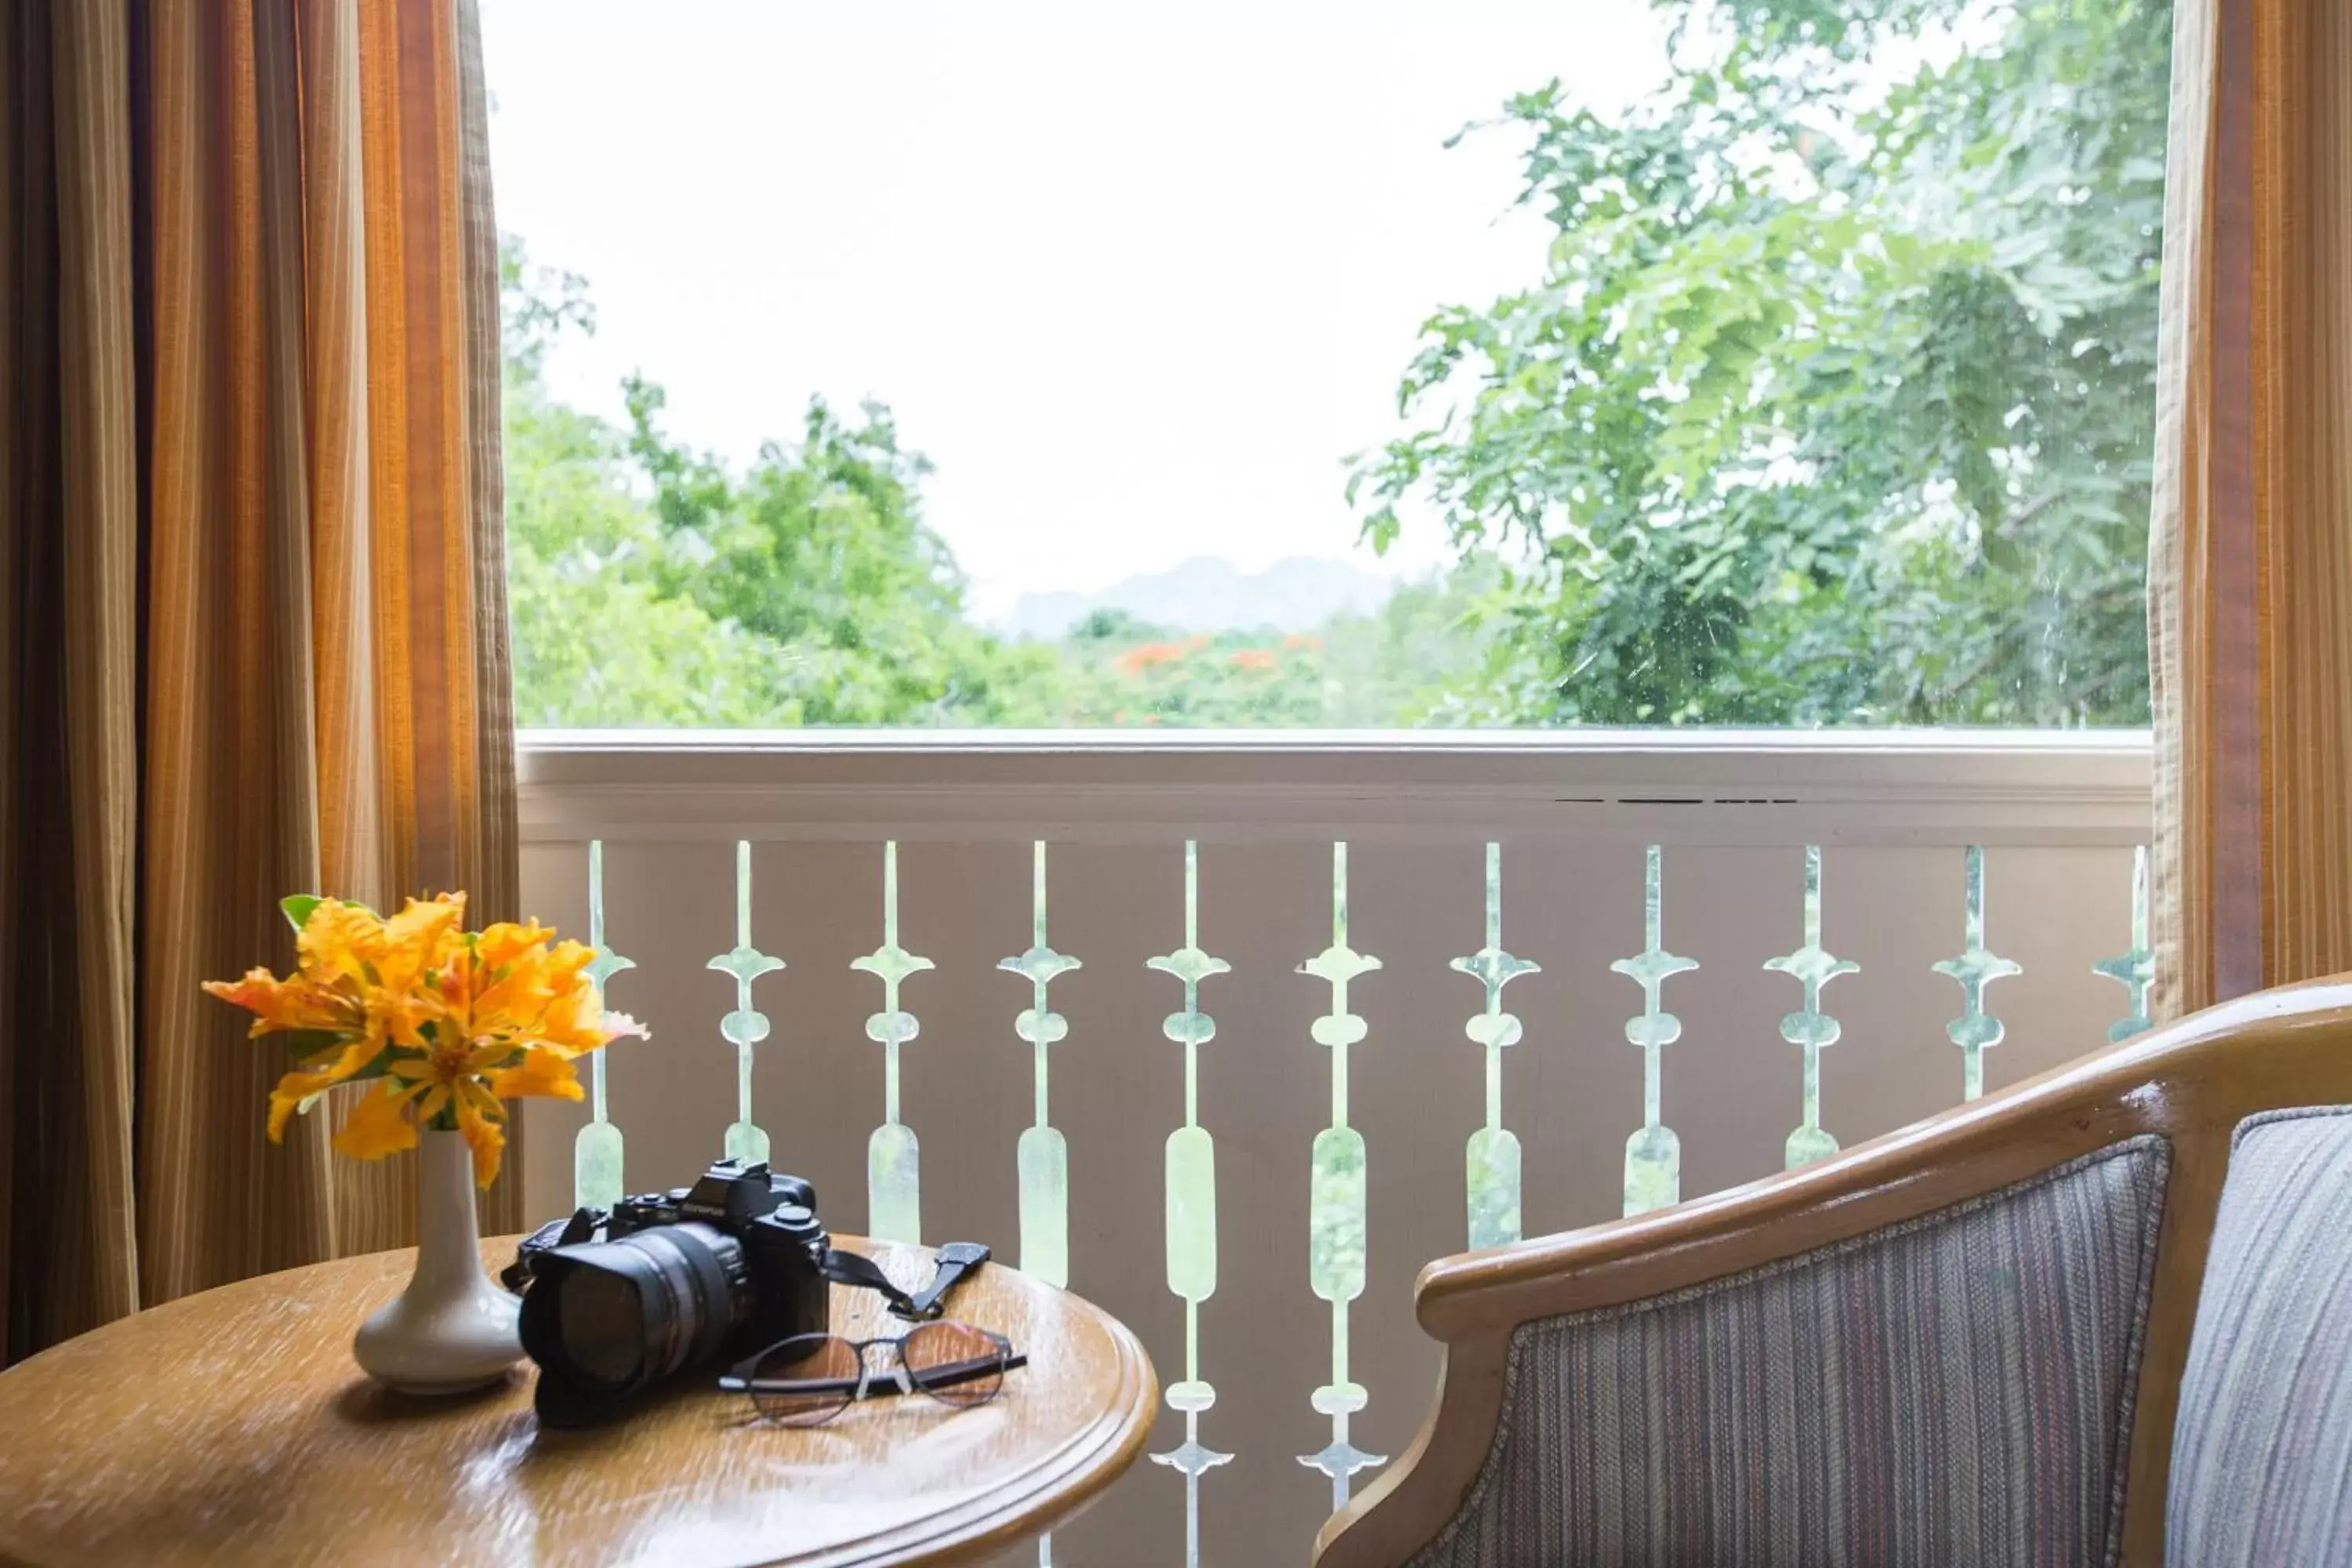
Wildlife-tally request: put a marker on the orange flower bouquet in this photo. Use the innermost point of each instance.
(444, 1026)
(452, 1022)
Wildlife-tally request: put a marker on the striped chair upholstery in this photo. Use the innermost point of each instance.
(2262, 1453)
(1956, 1392)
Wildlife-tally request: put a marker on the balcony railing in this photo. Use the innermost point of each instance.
(1231, 1035)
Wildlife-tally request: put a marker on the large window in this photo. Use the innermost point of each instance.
(1455, 363)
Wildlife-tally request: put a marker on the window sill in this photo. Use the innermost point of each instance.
(1702, 787)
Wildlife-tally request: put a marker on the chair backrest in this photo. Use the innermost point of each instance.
(2262, 1452)
(1954, 1391)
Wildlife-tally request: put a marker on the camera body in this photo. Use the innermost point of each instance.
(613, 1304)
(773, 1219)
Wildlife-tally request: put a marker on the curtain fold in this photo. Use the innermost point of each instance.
(71, 517)
(249, 530)
(2250, 564)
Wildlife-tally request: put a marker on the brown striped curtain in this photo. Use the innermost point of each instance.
(2249, 559)
(252, 603)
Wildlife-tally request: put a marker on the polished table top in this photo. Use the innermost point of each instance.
(232, 1427)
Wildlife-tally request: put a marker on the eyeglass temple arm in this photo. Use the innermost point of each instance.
(934, 1377)
(965, 1371)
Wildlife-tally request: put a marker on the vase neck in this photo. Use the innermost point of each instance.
(447, 1232)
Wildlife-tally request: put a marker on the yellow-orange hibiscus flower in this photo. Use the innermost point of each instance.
(351, 994)
(331, 1019)
(450, 1021)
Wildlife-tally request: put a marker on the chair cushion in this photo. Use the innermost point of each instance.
(2262, 1452)
(1954, 1391)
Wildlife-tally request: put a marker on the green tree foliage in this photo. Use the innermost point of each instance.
(652, 586)
(821, 552)
(594, 642)
(1406, 664)
(1834, 403)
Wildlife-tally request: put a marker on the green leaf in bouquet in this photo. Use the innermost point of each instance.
(304, 1043)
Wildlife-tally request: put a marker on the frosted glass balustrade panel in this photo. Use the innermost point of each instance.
(1200, 1084)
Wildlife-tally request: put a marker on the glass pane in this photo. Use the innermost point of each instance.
(1024, 364)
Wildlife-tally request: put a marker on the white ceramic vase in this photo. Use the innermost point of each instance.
(453, 1329)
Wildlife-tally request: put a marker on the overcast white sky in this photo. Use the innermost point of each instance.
(1136, 286)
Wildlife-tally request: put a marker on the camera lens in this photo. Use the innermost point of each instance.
(602, 1324)
(606, 1319)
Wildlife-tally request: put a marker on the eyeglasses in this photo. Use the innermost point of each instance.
(808, 1380)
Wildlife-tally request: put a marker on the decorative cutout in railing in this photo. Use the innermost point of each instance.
(1491, 1162)
(744, 1028)
(1191, 1181)
(1653, 1155)
(1042, 1157)
(596, 1152)
(1811, 1028)
(892, 1173)
(1974, 1031)
(2134, 970)
(1336, 1206)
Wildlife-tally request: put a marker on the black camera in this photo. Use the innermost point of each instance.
(613, 1304)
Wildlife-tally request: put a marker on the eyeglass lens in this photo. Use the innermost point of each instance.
(820, 1360)
(955, 1363)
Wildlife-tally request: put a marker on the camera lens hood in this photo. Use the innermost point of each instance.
(606, 1320)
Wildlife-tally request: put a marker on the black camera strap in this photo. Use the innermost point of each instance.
(956, 1259)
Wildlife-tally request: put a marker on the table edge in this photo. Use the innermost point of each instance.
(1088, 1467)
(1071, 1480)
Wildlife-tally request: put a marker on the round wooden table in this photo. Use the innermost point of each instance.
(232, 1427)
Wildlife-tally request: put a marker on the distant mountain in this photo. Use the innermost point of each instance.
(1206, 594)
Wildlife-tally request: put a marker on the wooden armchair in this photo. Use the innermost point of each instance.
(1977, 1340)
